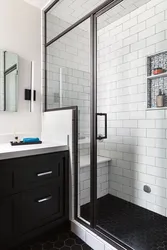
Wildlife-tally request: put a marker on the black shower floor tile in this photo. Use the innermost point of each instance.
(135, 226)
(64, 240)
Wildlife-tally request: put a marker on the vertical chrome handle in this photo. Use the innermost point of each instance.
(44, 173)
(99, 137)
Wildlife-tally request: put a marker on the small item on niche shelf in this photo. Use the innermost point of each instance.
(160, 99)
(157, 71)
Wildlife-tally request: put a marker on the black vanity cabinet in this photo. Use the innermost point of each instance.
(34, 196)
(6, 219)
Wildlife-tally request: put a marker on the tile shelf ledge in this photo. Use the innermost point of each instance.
(84, 141)
(162, 108)
(157, 76)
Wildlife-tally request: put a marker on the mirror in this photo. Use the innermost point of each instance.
(8, 81)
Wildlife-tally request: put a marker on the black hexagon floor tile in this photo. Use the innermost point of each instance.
(79, 241)
(59, 243)
(85, 247)
(65, 240)
(76, 247)
(47, 246)
(135, 226)
(64, 236)
(70, 242)
(65, 248)
(36, 246)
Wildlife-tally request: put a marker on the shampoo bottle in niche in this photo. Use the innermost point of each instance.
(160, 99)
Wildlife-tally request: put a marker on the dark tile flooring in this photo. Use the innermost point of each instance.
(136, 227)
(64, 240)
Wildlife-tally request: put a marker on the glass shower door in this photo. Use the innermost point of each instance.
(112, 181)
(127, 165)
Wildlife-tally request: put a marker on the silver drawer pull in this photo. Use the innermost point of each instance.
(44, 199)
(45, 173)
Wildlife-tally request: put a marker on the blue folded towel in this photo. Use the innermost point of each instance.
(28, 140)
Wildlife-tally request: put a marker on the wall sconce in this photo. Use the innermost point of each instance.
(30, 94)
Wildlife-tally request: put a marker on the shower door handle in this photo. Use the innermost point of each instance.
(101, 137)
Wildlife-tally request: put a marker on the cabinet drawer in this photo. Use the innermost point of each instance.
(34, 170)
(41, 206)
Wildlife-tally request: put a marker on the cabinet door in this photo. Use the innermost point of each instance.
(6, 178)
(8, 220)
(41, 205)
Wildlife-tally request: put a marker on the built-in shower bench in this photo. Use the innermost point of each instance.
(84, 175)
(85, 160)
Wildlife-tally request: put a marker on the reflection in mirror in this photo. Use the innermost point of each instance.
(8, 81)
(1, 80)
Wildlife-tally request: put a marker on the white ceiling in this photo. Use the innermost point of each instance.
(38, 3)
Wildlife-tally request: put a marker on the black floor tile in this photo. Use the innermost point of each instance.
(65, 240)
(135, 226)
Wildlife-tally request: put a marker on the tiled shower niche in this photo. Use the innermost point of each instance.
(156, 82)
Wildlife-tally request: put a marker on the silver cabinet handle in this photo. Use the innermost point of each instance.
(45, 173)
(44, 199)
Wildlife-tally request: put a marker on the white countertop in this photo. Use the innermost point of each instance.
(7, 151)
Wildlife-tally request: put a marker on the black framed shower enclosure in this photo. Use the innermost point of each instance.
(93, 15)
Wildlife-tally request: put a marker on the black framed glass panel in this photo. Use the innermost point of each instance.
(65, 13)
(68, 84)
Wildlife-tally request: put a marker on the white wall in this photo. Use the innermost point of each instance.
(137, 141)
(20, 33)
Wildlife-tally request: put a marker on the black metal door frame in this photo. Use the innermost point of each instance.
(94, 226)
(93, 15)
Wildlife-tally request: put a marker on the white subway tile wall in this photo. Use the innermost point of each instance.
(138, 137)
